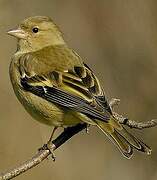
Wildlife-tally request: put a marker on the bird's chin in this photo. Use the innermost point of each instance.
(22, 45)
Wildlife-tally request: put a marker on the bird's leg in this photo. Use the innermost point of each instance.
(87, 128)
(49, 144)
(68, 133)
(52, 134)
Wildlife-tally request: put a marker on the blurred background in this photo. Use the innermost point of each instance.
(118, 39)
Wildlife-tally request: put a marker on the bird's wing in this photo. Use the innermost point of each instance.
(76, 88)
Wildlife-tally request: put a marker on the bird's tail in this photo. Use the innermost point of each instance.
(120, 137)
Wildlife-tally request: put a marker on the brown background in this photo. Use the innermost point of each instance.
(118, 39)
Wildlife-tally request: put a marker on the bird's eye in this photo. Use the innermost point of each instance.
(35, 29)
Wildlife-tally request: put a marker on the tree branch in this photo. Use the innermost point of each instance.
(130, 123)
(43, 154)
(65, 136)
(134, 124)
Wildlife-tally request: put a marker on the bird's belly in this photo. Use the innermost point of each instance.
(46, 112)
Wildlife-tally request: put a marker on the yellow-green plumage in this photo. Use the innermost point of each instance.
(45, 60)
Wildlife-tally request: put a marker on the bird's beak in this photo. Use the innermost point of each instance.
(18, 33)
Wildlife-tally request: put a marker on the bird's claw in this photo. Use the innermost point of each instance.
(49, 146)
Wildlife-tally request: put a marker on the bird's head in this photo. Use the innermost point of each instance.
(37, 32)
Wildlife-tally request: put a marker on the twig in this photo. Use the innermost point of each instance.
(65, 136)
(114, 102)
(134, 124)
(130, 123)
(43, 154)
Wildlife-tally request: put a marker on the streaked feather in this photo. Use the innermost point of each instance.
(66, 81)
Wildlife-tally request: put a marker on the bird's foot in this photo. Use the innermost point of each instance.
(49, 146)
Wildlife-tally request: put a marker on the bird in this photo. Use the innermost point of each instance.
(57, 88)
